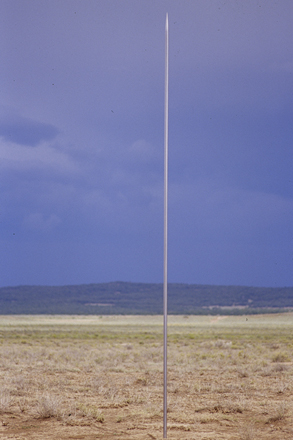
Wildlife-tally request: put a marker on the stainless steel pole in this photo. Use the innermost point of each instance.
(166, 218)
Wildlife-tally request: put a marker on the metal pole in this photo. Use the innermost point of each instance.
(166, 218)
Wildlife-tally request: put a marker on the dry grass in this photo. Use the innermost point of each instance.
(5, 401)
(48, 406)
(102, 378)
(248, 433)
(280, 413)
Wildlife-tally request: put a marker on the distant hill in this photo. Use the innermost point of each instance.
(143, 298)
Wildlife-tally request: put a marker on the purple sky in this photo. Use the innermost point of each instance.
(81, 141)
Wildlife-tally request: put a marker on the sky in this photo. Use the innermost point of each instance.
(82, 141)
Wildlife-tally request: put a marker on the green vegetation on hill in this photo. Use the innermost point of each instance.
(142, 298)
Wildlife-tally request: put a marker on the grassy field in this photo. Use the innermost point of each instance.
(100, 377)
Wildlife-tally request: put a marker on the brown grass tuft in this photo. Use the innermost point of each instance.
(48, 406)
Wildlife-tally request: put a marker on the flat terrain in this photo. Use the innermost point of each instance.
(100, 377)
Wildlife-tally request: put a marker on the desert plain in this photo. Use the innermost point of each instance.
(101, 377)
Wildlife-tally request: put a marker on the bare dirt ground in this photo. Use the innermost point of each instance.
(101, 378)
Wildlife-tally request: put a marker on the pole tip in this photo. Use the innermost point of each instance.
(167, 21)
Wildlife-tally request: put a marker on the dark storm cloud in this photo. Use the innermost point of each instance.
(87, 206)
(24, 131)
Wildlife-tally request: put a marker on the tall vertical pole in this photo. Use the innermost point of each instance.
(166, 218)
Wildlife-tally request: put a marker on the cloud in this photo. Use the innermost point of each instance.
(96, 76)
(211, 209)
(25, 131)
(39, 221)
(42, 157)
(142, 151)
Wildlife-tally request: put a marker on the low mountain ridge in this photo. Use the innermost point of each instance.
(143, 298)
